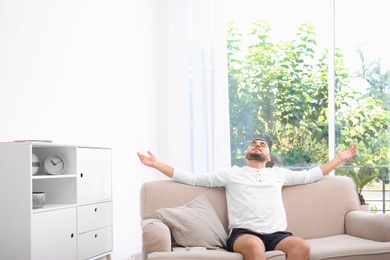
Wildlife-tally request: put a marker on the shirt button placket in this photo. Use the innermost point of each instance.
(258, 175)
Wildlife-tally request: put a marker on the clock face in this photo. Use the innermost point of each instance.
(54, 164)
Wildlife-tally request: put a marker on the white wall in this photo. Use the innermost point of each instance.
(83, 72)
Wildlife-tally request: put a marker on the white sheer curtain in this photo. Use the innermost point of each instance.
(192, 84)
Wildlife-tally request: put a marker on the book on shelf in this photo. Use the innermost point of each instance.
(28, 141)
(33, 141)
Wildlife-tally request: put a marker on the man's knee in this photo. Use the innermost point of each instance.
(301, 249)
(254, 244)
(304, 247)
(250, 246)
(295, 247)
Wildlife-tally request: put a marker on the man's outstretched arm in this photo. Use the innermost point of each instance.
(152, 161)
(342, 157)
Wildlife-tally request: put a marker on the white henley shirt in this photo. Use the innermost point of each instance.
(254, 196)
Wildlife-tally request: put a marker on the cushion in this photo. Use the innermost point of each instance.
(195, 224)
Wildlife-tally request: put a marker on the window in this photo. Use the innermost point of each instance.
(301, 74)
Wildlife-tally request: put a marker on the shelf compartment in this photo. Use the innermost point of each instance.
(57, 190)
(68, 153)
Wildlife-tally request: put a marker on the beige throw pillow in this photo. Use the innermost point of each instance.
(195, 224)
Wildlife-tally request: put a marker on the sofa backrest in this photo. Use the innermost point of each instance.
(319, 209)
(313, 210)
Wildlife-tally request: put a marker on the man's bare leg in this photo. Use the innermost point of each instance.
(250, 246)
(295, 248)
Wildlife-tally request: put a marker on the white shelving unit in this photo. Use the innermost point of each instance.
(75, 222)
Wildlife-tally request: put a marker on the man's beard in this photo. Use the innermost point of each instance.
(261, 157)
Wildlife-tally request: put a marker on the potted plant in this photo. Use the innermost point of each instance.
(362, 176)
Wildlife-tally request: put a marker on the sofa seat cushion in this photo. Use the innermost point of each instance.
(183, 253)
(330, 248)
(348, 247)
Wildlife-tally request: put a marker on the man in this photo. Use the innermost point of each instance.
(257, 219)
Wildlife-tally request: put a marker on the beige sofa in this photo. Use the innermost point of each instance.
(326, 213)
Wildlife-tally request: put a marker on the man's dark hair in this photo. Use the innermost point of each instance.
(265, 141)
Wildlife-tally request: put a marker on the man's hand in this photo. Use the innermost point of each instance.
(342, 156)
(148, 160)
(152, 161)
(347, 154)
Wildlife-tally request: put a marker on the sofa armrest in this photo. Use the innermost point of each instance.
(368, 225)
(156, 237)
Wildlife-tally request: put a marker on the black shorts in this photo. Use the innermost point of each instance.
(270, 240)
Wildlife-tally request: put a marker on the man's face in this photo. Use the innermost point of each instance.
(258, 150)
